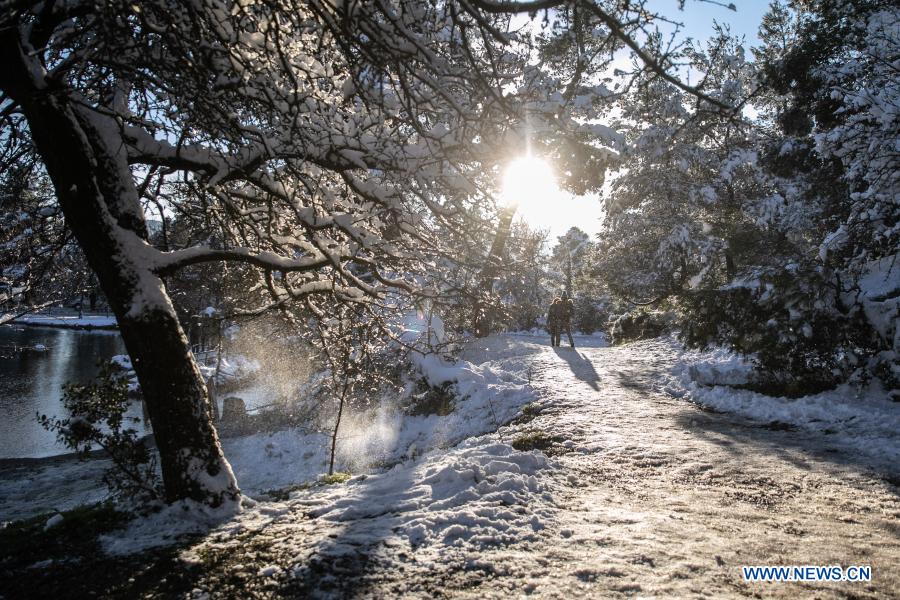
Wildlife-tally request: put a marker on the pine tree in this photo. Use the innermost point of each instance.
(767, 235)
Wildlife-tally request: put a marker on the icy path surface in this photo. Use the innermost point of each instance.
(637, 494)
(660, 498)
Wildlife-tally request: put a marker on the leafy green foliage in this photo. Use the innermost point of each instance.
(337, 477)
(98, 419)
(533, 440)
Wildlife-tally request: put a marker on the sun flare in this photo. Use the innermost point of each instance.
(529, 183)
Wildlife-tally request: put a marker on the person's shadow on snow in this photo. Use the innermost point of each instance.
(581, 367)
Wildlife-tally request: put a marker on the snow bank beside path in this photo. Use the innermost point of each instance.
(864, 420)
(267, 461)
(489, 393)
(471, 491)
(492, 386)
(479, 494)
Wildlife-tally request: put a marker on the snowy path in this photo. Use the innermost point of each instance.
(643, 495)
(668, 500)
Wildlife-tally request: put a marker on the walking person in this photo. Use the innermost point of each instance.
(566, 311)
(553, 320)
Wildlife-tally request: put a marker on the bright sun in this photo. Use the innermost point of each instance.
(530, 184)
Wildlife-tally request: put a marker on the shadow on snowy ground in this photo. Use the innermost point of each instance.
(73, 566)
(641, 374)
(595, 340)
(803, 449)
(580, 365)
(341, 563)
(638, 380)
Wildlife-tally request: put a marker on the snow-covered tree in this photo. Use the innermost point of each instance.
(522, 286)
(337, 150)
(40, 264)
(863, 80)
(568, 257)
(767, 235)
(674, 214)
(840, 71)
(573, 269)
(327, 143)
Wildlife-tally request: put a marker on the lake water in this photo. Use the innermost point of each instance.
(32, 382)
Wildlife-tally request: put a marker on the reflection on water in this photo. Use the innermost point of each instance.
(32, 382)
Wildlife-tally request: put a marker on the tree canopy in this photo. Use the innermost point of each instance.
(332, 151)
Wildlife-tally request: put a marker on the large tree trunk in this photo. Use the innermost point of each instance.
(85, 158)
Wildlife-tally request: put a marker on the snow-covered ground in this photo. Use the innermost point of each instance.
(862, 420)
(591, 339)
(492, 393)
(492, 387)
(639, 491)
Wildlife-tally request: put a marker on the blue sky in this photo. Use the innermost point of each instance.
(698, 17)
(558, 211)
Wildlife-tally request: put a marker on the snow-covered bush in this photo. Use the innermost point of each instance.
(638, 325)
(800, 343)
(590, 314)
(98, 420)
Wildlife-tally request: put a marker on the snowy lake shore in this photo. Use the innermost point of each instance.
(87, 322)
(495, 387)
